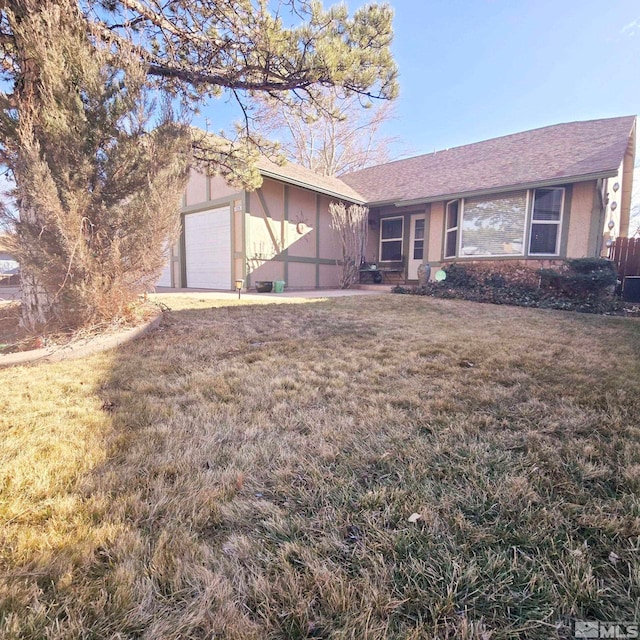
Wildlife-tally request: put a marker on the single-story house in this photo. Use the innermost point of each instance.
(538, 196)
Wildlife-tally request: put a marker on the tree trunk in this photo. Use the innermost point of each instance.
(36, 303)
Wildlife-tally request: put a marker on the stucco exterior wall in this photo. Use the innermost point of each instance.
(328, 243)
(196, 191)
(580, 212)
(373, 237)
(303, 229)
(270, 270)
(202, 188)
(329, 276)
(288, 237)
(218, 188)
(264, 233)
(302, 275)
(436, 234)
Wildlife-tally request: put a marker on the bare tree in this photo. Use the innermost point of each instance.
(75, 124)
(351, 225)
(338, 134)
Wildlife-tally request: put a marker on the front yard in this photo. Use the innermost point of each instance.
(379, 467)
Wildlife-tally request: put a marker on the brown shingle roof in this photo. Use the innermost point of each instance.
(289, 172)
(303, 177)
(564, 151)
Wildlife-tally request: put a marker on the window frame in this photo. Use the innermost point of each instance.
(401, 238)
(447, 229)
(558, 222)
(414, 229)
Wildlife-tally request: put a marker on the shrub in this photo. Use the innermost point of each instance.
(461, 276)
(583, 285)
(581, 278)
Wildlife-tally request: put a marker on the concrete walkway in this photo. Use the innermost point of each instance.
(272, 297)
(13, 293)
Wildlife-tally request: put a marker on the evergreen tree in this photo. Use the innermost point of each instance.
(99, 167)
(97, 190)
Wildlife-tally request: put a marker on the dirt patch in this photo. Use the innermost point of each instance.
(10, 333)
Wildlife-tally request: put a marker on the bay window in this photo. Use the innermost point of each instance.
(495, 225)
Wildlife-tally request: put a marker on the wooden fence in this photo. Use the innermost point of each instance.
(626, 254)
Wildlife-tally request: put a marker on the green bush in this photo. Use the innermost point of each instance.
(459, 275)
(584, 285)
(581, 278)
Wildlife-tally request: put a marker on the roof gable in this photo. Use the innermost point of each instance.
(302, 177)
(563, 152)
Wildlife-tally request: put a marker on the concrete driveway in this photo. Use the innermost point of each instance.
(9, 293)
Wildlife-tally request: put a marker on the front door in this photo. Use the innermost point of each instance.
(416, 245)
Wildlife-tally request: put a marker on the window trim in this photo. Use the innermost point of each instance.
(401, 238)
(412, 234)
(447, 230)
(558, 223)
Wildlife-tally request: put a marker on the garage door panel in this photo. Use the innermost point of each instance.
(165, 277)
(208, 249)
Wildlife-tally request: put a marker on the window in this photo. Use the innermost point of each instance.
(418, 240)
(451, 232)
(546, 219)
(391, 239)
(494, 225)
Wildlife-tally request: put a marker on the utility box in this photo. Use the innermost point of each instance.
(631, 291)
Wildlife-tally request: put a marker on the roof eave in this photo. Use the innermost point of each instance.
(312, 187)
(506, 188)
(380, 203)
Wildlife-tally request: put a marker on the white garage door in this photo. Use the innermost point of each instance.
(208, 249)
(165, 277)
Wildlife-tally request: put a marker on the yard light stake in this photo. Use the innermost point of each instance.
(239, 283)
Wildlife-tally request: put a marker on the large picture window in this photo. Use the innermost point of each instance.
(494, 226)
(546, 219)
(391, 230)
(451, 232)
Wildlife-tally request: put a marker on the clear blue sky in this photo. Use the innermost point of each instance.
(477, 69)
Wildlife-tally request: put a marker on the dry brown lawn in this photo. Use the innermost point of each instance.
(250, 472)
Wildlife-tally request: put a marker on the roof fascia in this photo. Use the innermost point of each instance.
(511, 187)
